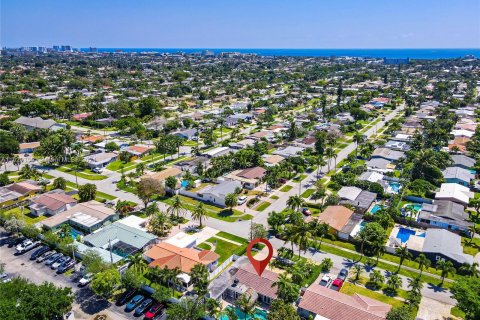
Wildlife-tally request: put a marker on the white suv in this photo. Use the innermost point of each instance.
(326, 281)
(241, 200)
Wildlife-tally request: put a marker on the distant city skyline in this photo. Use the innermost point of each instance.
(248, 24)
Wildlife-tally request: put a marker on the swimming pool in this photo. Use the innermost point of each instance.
(404, 234)
(259, 314)
(395, 186)
(184, 183)
(75, 234)
(376, 208)
(414, 206)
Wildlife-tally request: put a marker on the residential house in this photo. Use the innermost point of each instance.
(139, 150)
(289, 151)
(120, 144)
(100, 160)
(90, 140)
(250, 178)
(440, 244)
(28, 147)
(387, 154)
(164, 174)
(379, 164)
(397, 145)
(340, 219)
(356, 197)
(459, 144)
(242, 144)
(214, 194)
(86, 217)
(51, 203)
(319, 302)
(272, 160)
(246, 281)
(462, 161)
(81, 116)
(217, 152)
(187, 134)
(192, 164)
(121, 239)
(454, 192)
(445, 214)
(458, 175)
(11, 195)
(38, 123)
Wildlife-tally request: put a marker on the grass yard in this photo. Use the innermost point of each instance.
(224, 248)
(118, 164)
(263, 205)
(299, 177)
(212, 211)
(205, 246)
(351, 289)
(455, 311)
(286, 188)
(85, 173)
(275, 197)
(307, 193)
(471, 248)
(232, 237)
(28, 218)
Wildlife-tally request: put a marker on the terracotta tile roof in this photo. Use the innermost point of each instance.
(138, 149)
(274, 159)
(92, 139)
(29, 145)
(164, 174)
(170, 256)
(335, 305)
(54, 201)
(253, 173)
(247, 276)
(23, 187)
(336, 216)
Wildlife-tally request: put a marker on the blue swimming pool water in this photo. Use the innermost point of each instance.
(404, 234)
(75, 233)
(184, 183)
(395, 186)
(259, 314)
(414, 206)
(376, 208)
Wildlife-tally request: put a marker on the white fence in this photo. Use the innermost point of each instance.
(220, 268)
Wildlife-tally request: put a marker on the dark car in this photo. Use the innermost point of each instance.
(154, 311)
(37, 253)
(343, 274)
(306, 211)
(143, 307)
(66, 266)
(46, 255)
(134, 303)
(336, 285)
(53, 258)
(125, 297)
(16, 241)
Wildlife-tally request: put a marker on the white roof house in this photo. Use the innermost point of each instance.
(454, 192)
(349, 193)
(182, 240)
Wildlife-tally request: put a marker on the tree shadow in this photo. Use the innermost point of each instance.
(436, 287)
(348, 263)
(89, 302)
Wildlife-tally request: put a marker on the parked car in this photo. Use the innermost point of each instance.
(37, 253)
(86, 279)
(16, 241)
(241, 200)
(26, 246)
(53, 258)
(155, 310)
(336, 285)
(57, 263)
(343, 274)
(126, 296)
(143, 307)
(66, 266)
(326, 281)
(134, 303)
(46, 255)
(4, 278)
(97, 170)
(306, 211)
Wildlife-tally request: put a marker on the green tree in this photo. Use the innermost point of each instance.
(199, 213)
(147, 188)
(140, 168)
(105, 282)
(402, 313)
(87, 192)
(176, 207)
(423, 262)
(280, 310)
(231, 200)
(357, 271)
(171, 183)
(326, 264)
(132, 278)
(286, 290)
(22, 299)
(93, 262)
(403, 253)
(446, 268)
(78, 163)
(295, 203)
(394, 282)
(4, 180)
(9, 145)
(246, 304)
(466, 292)
(376, 279)
(59, 183)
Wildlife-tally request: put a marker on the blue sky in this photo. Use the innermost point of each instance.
(242, 23)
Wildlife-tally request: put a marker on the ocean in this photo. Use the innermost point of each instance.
(366, 53)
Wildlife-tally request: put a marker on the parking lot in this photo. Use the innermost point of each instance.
(86, 304)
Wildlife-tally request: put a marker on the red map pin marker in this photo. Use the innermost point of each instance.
(259, 265)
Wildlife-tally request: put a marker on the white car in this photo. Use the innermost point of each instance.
(26, 245)
(326, 281)
(97, 170)
(4, 278)
(241, 200)
(85, 280)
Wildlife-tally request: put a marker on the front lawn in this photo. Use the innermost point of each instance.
(351, 289)
(307, 193)
(232, 237)
(223, 248)
(286, 188)
(85, 173)
(27, 217)
(262, 206)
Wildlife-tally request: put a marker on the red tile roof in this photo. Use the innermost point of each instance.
(335, 305)
(247, 276)
(253, 173)
(54, 201)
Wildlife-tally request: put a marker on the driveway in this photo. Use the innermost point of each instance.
(433, 310)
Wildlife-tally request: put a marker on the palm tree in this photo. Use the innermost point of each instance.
(415, 284)
(302, 236)
(283, 285)
(295, 202)
(176, 208)
(77, 163)
(394, 282)
(231, 200)
(358, 138)
(230, 313)
(379, 249)
(140, 168)
(357, 271)
(246, 305)
(330, 154)
(376, 278)
(289, 234)
(320, 162)
(362, 237)
(322, 230)
(137, 262)
(422, 261)
(199, 213)
(17, 161)
(403, 253)
(174, 280)
(471, 269)
(213, 307)
(446, 267)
